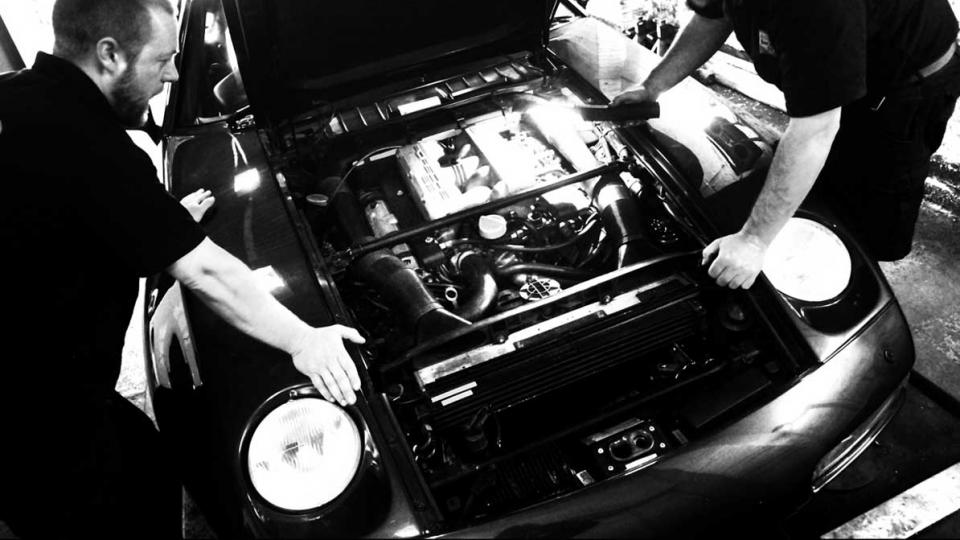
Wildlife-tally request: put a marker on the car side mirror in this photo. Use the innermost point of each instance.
(230, 93)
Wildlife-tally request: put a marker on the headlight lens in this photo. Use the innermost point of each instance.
(303, 454)
(808, 261)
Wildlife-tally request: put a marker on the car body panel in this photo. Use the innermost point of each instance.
(252, 224)
(744, 477)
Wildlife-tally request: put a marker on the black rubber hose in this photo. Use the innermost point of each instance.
(547, 270)
(481, 285)
(623, 220)
(406, 292)
(402, 287)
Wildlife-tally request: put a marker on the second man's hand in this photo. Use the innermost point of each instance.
(640, 94)
(321, 356)
(738, 261)
(198, 202)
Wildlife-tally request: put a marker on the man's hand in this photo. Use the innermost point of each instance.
(321, 356)
(197, 203)
(232, 291)
(641, 94)
(739, 259)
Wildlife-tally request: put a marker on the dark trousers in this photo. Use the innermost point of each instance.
(86, 467)
(874, 176)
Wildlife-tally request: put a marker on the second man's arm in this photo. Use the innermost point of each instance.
(796, 164)
(695, 44)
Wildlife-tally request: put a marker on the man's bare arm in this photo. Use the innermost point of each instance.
(231, 289)
(697, 41)
(796, 165)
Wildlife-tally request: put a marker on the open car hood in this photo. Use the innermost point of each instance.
(297, 53)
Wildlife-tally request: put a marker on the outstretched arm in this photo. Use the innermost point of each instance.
(230, 288)
(796, 164)
(694, 45)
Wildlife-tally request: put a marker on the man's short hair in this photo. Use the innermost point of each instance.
(79, 24)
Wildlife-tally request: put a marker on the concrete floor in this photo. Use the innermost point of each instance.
(927, 283)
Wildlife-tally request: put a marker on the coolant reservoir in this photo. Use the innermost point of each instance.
(492, 226)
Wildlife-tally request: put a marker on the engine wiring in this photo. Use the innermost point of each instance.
(362, 161)
(580, 235)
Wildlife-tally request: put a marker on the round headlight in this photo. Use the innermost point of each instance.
(808, 261)
(303, 454)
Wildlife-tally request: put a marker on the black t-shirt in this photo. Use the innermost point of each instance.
(827, 53)
(82, 216)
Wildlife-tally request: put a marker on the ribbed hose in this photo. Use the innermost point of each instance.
(623, 220)
(400, 285)
(482, 288)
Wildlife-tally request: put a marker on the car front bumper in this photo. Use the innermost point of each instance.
(755, 470)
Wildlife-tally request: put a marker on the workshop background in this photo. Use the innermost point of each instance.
(908, 483)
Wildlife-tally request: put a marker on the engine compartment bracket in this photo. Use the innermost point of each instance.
(398, 237)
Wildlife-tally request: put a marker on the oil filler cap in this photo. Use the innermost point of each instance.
(493, 226)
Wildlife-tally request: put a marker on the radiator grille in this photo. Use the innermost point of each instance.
(561, 359)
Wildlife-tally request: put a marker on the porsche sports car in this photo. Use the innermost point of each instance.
(545, 353)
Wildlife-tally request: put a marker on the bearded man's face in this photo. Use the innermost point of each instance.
(145, 74)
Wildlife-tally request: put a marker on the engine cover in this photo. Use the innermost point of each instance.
(491, 159)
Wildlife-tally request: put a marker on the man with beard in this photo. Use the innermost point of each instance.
(869, 88)
(83, 216)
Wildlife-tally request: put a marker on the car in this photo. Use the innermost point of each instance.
(545, 354)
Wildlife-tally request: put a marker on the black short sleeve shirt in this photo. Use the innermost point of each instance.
(826, 53)
(83, 216)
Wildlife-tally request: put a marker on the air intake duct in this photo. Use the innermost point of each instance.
(399, 284)
(477, 273)
(623, 220)
(404, 291)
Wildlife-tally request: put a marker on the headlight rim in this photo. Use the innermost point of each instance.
(851, 253)
(295, 393)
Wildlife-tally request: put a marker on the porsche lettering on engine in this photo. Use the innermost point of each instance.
(489, 160)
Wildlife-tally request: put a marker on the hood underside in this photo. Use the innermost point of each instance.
(293, 51)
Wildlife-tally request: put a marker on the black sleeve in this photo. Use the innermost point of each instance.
(128, 210)
(711, 9)
(821, 46)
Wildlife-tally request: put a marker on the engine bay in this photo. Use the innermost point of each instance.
(532, 298)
